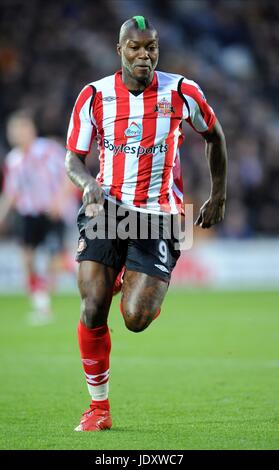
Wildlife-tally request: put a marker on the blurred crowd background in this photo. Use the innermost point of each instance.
(50, 49)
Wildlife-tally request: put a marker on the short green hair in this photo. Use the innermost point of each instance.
(137, 22)
(141, 22)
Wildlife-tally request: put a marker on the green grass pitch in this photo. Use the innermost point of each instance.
(204, 375)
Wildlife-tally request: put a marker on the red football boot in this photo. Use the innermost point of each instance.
(119, 281)
(95, 419)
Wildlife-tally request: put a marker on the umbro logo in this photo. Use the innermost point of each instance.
(109, 98)
(162, 268)
(89, 362)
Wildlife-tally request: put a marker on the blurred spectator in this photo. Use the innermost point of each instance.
(35, 185)
(49, 50)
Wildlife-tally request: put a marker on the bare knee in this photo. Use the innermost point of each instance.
(92, 313)
(136, 320)
(136, 324)
(142, 297)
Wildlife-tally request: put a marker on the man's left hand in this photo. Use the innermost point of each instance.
(212, 212)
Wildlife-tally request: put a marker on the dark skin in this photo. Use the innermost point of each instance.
(139, 52)
(142, 295)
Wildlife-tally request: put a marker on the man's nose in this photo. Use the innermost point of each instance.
(143, 53)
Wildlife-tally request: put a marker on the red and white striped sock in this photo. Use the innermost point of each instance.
(95, 346)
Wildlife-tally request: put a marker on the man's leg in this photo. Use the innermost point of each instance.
(59, 258)
(95, 283)
(37, 289)
(142, 297)
(33, 232)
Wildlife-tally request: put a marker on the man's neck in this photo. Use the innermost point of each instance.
(25, 147)
(134, 85)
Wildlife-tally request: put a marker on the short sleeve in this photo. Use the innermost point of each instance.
(82, 131)
(196, 110)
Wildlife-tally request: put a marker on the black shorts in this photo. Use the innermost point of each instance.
(40, 229)
(155, 253)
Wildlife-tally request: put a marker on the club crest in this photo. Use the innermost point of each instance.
(164, 108)
(81, 245)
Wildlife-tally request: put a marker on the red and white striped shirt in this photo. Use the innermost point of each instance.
(33, 178)
(139, 136)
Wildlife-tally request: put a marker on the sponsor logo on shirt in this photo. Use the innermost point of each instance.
(134, 149)
(134, 130)
(164, 108)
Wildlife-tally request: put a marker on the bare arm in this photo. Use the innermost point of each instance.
(93, 196)
(213, 210)
(6, 204)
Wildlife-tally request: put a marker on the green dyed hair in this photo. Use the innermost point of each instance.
(140, 22)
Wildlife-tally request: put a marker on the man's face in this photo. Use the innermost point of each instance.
(20, 131)
(139, 51)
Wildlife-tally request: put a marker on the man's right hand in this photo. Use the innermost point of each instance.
(93, 195)
(93, 199)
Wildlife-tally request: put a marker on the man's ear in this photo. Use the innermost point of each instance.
(118, 48)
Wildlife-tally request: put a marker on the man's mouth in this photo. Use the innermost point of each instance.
(143, 66)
